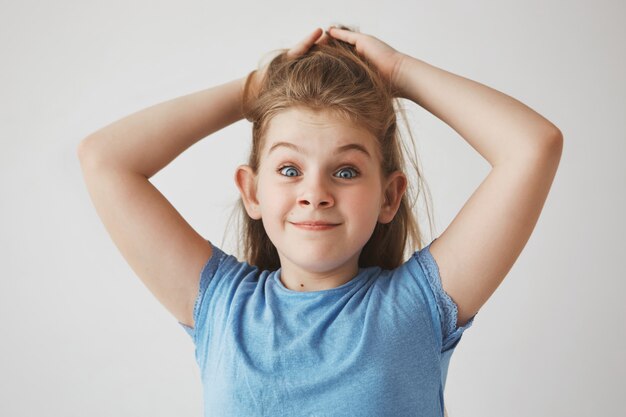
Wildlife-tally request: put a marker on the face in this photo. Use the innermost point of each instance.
(316, 167)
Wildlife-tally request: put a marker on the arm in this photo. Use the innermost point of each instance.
(496, 125)
(146, 141)
(117, 161)
(479, 247)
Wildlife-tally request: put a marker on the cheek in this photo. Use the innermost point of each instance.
(264, 190)
(365, 206)
(274, 199)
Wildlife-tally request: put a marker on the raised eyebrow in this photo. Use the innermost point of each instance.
(340, 149)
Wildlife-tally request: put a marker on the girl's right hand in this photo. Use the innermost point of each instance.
(299, 49)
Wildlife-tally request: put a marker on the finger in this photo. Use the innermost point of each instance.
(306, 43)
(344, 35)
(324, 39)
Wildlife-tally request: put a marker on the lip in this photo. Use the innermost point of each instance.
(315, 225)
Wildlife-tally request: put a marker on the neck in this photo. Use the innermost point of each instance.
(297, 278)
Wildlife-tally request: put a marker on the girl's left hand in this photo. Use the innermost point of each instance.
(386, 59)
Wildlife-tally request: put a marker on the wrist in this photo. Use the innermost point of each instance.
(248, 90)
(399, 75)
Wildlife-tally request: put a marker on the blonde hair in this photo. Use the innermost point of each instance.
(334, 77)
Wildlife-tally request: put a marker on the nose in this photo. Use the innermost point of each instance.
(316, 193)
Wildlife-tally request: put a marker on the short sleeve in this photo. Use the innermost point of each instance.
(446, 307)
(206, 275)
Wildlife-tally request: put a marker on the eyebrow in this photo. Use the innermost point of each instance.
(344, 148)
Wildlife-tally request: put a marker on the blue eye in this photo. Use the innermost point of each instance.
(356, 173)
(287, 166)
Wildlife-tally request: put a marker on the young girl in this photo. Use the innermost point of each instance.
(325, 317)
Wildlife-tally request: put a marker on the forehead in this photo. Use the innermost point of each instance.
(307, 128)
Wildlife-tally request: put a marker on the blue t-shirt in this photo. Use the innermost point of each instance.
(378, 345)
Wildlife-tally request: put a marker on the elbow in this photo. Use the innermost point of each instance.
(556, 134)
(81, 149)
(551, 142)
(551, 148)
(86, 152)
(548, 146)
(554, 142)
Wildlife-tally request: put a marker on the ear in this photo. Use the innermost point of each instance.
(246, 181)
(395, 187)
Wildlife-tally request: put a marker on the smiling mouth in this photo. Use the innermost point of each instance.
(320, 227)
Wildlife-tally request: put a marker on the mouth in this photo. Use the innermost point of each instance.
(315, 226)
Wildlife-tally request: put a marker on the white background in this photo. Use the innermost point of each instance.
(82, 336)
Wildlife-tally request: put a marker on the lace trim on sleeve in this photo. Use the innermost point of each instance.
(444, 302)
(206, 275)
